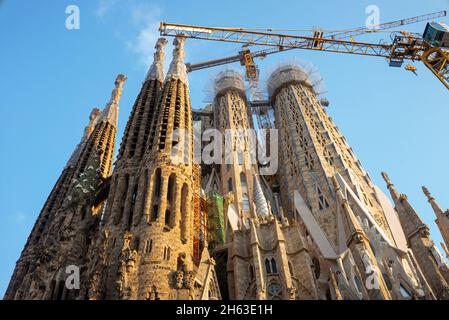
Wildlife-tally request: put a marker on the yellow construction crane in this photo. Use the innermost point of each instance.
(431, 48)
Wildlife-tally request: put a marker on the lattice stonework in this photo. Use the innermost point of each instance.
(196, 214)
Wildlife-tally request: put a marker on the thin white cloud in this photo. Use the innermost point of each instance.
(104, 7)
(146, 20)
(142, 19)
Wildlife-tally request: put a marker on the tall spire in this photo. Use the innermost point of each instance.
(390, 185)
(442, 219)
(177, 68)
(418, 239)
(111, 111)
(359, 244)
(409, 218)
(156, 70)
(436, 208)
(259, 199)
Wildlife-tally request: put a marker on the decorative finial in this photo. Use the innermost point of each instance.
(92, 121)
(110, 112)
(177, 66)
(387, 179)
(156, 71)
(427, 193)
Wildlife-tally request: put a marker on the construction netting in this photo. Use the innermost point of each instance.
(215, 221)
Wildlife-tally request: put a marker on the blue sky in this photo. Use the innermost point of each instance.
(52, 77)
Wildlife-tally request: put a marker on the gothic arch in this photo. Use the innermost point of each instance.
(157, 185)
(184, 210)
(171, 196)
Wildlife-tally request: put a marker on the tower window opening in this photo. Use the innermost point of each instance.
(156, 193)
(273, 266)
(245, 202)
(133, 202)
(148, 246)
(153, 294)
(242, 180)
(170, 199)
(167, 253)
(267, 266)
(184, 208)
(322, 202)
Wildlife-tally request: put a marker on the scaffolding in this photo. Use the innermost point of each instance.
(199, 216)
(215, 220)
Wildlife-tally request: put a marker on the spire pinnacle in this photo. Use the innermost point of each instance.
(156, 70)
(92, 121)
(110, 112)
(259, 199)
(177, 66)
(387, 179)
(436, 208)
(427, 193)
(391, 187)
(446, 251)
(93, 117)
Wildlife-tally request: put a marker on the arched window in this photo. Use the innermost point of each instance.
(119, 215)
(156, 192)
(245, 202)
(168, 254)
(133, 202)
(267, 266)
(184, 207)
(242, 180)
(273, 266)
(157, 182)
(170, 199)
(153, 294)
(148, 246)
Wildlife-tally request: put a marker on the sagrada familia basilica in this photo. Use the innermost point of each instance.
(150, 226)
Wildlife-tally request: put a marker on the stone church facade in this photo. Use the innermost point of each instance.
(159, 224)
